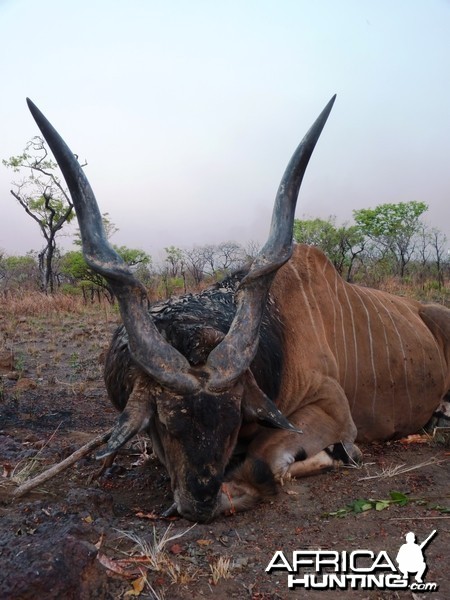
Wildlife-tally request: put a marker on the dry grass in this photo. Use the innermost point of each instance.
(26, 468)
(38, 304)
(154, 557)
(424, 292)
(395, 470)
(38, 329)
(220, 569)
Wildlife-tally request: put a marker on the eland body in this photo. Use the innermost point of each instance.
(272, 373)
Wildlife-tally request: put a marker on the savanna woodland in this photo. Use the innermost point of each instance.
(82, 536)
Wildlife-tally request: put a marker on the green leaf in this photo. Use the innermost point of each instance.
(399, 498)
(361, 505)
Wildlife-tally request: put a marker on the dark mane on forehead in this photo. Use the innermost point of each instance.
(195, 323)
(213, 308)
(186, 320)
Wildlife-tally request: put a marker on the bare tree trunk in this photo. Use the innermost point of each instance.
(42, 269)
(49, 283)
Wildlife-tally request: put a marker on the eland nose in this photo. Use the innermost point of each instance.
(199, 516)
(201, 512)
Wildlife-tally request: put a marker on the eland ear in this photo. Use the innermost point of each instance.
(259, 408)
(135, 418)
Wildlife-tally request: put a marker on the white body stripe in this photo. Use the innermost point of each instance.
(385, 358)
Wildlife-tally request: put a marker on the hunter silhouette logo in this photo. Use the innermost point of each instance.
(410, 557)
(357, 569)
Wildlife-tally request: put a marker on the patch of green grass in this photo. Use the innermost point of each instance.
(74, 361)
(20, 362)
(395, 498)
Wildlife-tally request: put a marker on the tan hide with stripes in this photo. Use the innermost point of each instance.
(380, 357)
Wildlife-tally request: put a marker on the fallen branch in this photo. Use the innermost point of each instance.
(67, 462)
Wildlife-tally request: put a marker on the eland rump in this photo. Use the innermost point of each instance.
(275, 372)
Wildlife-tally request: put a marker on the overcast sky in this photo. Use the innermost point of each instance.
(187, 112)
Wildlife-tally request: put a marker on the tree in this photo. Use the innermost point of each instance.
(438, 242)
(230, 256)
(76, 270)
(44, 199)
(172, 272)
(317, 232)
(341, 244)
(18, 272)
(392, 228)
(350, 246)
(195, 264)
(423, 249)
(220, 259)
(174, 261)
(109, 227)
(252, 249)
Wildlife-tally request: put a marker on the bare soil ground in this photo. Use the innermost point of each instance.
(82, 538)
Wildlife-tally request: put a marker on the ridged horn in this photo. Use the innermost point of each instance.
(147, 346)
(237, 350)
